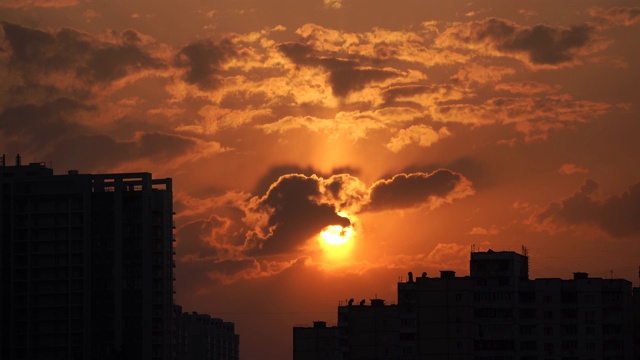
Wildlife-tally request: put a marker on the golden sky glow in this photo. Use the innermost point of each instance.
(423, 126)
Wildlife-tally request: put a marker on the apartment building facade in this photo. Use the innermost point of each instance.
(86, 264)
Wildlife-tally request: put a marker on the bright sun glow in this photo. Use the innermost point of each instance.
(336, 234)
(336, 241)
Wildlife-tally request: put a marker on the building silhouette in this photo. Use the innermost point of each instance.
(201, 337)
(86, 265)
(496, 313)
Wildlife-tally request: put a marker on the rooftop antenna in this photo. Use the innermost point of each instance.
(4, 160)
(18, 160)
(525, 251)
(473, 248)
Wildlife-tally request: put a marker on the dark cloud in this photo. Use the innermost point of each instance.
(92, 60)
(295, 214)
(542, 44)
(42, 124)
(202, 60)
(91, 151)
(412, 190)
(619, 216)
(195, 239)
(298, 53)
(345, 76)
(160, 146)
(231, 268)
(274, 173)
(396, 95)
(472, 168)
(348, 78)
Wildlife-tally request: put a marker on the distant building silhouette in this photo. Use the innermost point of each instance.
(318, 342)
(495, 313)
(86, 265)
(201, 337)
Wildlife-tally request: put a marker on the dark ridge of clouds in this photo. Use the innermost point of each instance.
(38, 53)
(542, 44)
(202, 61)
(618, 215)
(345, 76)
(412, 190)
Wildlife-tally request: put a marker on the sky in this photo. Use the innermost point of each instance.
(410, 129)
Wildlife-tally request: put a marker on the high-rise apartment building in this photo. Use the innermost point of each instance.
(86, 265)
(498, 313)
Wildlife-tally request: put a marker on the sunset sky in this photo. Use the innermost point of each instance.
(421, 127)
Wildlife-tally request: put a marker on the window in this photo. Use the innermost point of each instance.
(589, 317)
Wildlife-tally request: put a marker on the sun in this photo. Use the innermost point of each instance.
(336, 234)
(337, 242)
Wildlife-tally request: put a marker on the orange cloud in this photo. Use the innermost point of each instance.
(332, 4)
(534, 117)
(493, 230)
(449, 256)
(352, 125)
(569, 169)
(527, 87)
(38, 3)
(625, 16)
(475, 73)
(422, 135)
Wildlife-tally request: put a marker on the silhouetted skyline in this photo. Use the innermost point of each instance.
(320, 148)
(497, 312)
